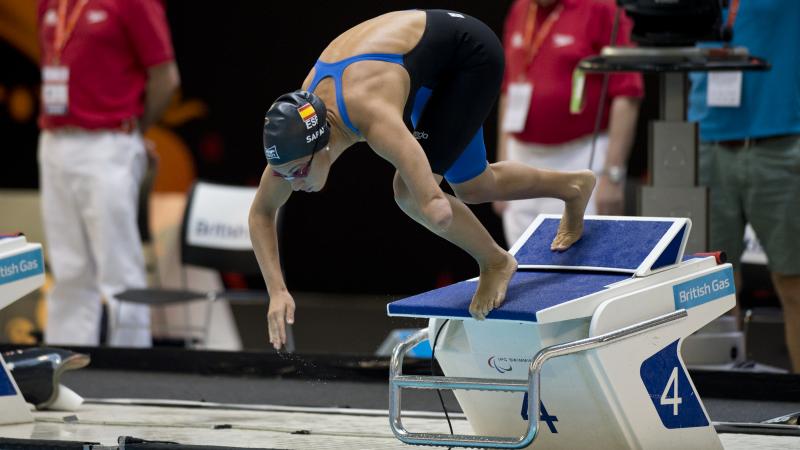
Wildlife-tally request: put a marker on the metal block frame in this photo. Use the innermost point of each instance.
(398, 382)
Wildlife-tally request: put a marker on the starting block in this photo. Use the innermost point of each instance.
(587, 342)
(21, 271)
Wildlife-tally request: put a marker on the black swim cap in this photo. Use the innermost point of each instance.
(295, 126)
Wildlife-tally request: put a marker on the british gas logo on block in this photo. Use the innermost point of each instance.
(703, 289)
(21, 266)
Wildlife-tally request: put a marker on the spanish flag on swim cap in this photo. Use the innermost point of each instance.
(306, 111)
(294, 127)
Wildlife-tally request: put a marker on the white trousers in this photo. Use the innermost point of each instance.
(572, 155)
(89, 185)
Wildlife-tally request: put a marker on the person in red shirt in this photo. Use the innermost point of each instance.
(542, 124)
(108, 73)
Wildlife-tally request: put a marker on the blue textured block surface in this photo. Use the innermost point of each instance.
(6, 388)
(528, 293)
(611, 244)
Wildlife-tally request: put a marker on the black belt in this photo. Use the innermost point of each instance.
(748, 142)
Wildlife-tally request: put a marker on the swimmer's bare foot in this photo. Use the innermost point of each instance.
(571, 226)
(492, 286)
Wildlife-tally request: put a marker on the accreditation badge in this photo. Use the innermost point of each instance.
(518, 103)
(724, 89)
(55, 89)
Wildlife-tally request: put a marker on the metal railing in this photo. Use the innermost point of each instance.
(398, 382)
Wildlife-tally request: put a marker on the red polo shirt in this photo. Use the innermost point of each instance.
(583, 28)
(108, 53)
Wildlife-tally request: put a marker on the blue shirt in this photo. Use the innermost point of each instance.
(770, 101)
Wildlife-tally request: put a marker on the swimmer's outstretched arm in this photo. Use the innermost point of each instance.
(272, 193)
(388, 136)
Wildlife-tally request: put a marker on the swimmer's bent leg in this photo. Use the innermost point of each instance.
(466, 231)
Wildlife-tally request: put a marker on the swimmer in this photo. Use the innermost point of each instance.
(416, 86)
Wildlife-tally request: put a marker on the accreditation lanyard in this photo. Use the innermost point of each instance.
(520, 92)
(55, 76)
(533, 38)
(733, 11)
(65, 26)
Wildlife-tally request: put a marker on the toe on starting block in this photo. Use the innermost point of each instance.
(587, 341)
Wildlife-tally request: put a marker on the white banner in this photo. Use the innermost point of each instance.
(218, 217)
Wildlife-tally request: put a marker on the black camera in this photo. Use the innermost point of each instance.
(675, 23)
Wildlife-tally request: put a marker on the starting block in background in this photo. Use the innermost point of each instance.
(21, 271)
(611, 313)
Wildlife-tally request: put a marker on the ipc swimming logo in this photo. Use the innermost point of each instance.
(501, 365)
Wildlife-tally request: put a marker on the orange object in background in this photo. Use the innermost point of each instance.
(175, 164)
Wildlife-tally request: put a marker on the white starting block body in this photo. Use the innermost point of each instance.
(21, 271)
(611, 312)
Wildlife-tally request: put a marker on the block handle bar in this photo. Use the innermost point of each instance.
(398, 382)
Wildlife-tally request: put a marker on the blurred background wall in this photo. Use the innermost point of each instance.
(235, 58)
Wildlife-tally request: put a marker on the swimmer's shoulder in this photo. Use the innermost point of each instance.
(394, 32)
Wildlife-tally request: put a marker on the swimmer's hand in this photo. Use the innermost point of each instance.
(281, 312)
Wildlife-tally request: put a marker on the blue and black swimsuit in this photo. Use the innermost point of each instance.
(456, 71)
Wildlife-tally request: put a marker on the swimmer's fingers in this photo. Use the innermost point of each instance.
(290, 313)
(281, 312)
(276, 330)
(289, 319)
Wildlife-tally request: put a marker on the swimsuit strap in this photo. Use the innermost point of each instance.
(336, 70)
